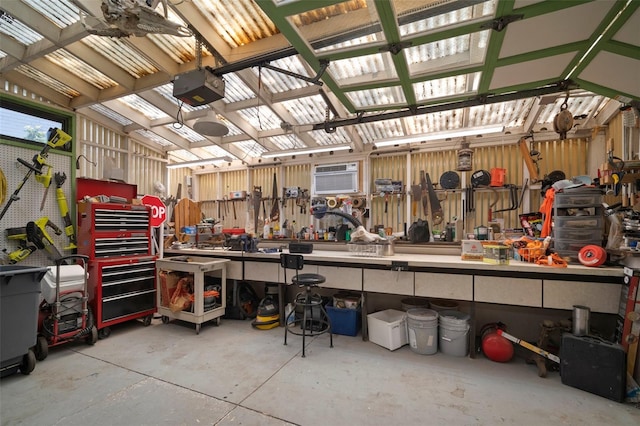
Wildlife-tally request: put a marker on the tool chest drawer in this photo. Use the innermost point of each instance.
(108, 230)
(122, 287)
(124, 245)
(127, 278)
(125, 305)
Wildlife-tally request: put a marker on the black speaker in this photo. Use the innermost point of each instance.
(593, 365)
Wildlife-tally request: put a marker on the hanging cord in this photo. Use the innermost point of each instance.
(259, 90)
(565, 104)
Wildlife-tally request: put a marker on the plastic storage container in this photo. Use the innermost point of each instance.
(344, 321)
(577, 234)
(19, 294)
(388, 328)
(591, 222)
(577, 199)
(570, 245)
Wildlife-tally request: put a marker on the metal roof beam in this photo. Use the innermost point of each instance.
(478, 100)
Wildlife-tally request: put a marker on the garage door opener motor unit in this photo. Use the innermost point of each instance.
(335, 179)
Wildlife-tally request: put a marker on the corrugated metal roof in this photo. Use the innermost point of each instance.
(380, 96)
(61, 12)
(278, 82)
(577, 105)
(460, 51)
(18, 30)
(137, 103)
(236, 90)
(180, 49)
(356, 36)
(108, 112)
(233, 129)
(311, 109)
(320, 14)
(338, 137)
(250, 148)
(262, 117)
(446, 87)
(237, 21)
(147, 134)
(185, 132)
(66, 60)
(510, 114)
(363, 69)
(121, 53)
(435, 122)
(216, 151)
(371, 132)
(48, 81)
(439, 21)
(289, 141)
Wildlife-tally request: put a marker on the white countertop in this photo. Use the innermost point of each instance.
(414, 260)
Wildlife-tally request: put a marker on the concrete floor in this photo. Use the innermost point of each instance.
(165, 374)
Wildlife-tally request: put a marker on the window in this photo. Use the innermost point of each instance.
(24, 123)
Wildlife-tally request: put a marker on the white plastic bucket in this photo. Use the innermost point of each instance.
(454, 331)
(422, 329)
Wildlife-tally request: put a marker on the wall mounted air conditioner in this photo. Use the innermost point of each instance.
(335, 179)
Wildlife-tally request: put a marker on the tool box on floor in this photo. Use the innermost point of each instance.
(593, 365)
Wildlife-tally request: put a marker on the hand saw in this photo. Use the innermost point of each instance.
(434, 202)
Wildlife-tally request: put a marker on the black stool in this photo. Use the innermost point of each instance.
(308, 300)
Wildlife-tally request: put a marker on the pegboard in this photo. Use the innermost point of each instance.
(27, 208)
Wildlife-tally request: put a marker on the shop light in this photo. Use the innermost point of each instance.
(315, 150)
(203, 162)
(471, 131)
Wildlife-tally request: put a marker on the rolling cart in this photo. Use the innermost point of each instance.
(19, 290)
(197, 267)
(64, 312)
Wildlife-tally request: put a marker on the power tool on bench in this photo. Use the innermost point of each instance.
(56, 139)
(34, 237)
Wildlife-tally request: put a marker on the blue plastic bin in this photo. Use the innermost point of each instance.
(344, 321)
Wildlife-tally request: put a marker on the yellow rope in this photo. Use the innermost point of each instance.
(3, 187)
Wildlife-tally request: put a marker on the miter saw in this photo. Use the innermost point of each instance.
(136, 18)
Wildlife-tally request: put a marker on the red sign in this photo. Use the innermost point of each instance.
(158, 209)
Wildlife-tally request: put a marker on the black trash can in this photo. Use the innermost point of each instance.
(19, 300)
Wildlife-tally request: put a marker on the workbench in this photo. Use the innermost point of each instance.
(421, 273)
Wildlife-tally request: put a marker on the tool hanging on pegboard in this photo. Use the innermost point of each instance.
(56, 139)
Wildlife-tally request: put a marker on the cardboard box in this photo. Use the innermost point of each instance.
(388, 328)
(496, 254)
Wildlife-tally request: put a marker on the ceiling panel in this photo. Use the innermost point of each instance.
(560, 28)
(630, 33)
(423, 22)
(530, 71)
(396, 68)
(624, 77)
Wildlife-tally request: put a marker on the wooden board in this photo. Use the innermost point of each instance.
(187, 213)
